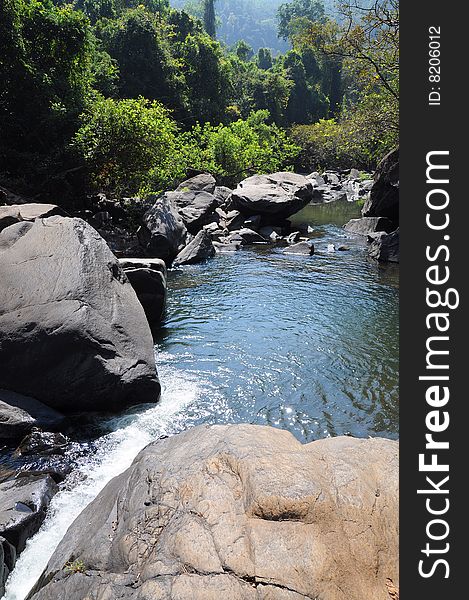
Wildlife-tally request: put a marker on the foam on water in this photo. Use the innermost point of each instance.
(115, 453)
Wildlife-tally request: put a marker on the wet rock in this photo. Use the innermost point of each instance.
(23, 505)
(278, 195)
(163, 233)
(148, 278)
(201, 248)
(246, 237)
(384, 246)
(19, 414)
(238, 511)
(367, 225)
(384, 195)
(7, 562)
(62, 288)
(42, 442)
(304, 248)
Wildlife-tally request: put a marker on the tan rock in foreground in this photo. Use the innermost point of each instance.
(238, 513)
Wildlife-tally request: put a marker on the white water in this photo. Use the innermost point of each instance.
(115, 453)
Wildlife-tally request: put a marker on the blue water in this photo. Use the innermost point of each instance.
(309, 344)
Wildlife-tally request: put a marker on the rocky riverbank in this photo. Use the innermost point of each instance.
(239, 511)
(77, 323)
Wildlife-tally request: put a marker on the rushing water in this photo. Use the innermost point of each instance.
(309, 344)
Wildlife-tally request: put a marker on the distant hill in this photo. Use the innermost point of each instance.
(254, 21)
(251, 20)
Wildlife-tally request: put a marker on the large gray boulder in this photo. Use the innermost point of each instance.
(384, 196)
(148, 277)
(200, 183)
(163, 233)
(279, 195)
(196, 201)
(19, 414)
(301, 248)
(27, 212)
(72, 332)
(201, 248)
(238, 512)
(367, 225)
(384, 247)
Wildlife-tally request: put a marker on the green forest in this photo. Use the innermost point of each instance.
(129, 97)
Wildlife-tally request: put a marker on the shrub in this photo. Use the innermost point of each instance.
(359, 139)
(122, 140)
(232, 152)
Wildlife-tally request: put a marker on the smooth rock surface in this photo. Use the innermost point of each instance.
(19, 414)
(238, 512)
(279, 195)
(201, 248)
(367, 225)
(72, 332)
(384, 246)
(27, 212)
(163, 233)
(200, 183)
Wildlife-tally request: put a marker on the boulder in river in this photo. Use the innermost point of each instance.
(19, 414)
(303, 248)
(148, 277)
(72, 332)
(163, 233)
(384, 246)
(277, 196)
(201, 248)
(238, 512)
(367, 225)
(384, 195)
(246, 237)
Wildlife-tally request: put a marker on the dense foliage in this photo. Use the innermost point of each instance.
(129, 95)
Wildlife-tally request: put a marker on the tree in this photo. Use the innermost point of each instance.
(140, 45)
(264, 59)
(244, 51)
(303, 10)
(45, 68)
(121, 141)
(210, 21)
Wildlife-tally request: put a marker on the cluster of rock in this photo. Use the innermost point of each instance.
(239, 512)
(200, 218)
(73, 338)
(380, 213)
